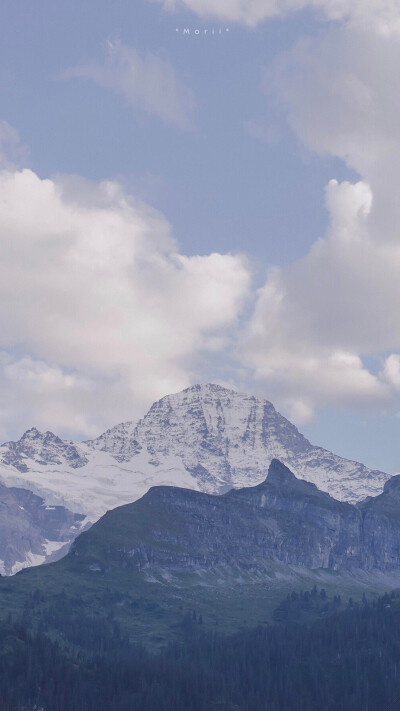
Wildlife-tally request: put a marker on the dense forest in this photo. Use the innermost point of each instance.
(348, 661)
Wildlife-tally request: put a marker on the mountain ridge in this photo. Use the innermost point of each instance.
(296, 524)
(206, 438)
(230, 557)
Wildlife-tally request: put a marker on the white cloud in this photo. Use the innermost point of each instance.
(383, 15)
(391, 371)
(106, 311)
(317, 320)
(32, 392)
(94, 289)
(148, 82)
(341, 95)
(342, 99)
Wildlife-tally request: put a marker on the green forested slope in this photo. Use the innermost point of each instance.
(349, 661)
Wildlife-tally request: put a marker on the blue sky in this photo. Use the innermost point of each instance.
(178, 222)
(221, 188)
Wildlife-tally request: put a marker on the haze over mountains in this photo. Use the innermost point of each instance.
(206, 438)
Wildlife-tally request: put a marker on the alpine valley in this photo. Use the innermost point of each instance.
(206, 438)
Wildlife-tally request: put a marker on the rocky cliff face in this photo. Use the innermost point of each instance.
(282, 519)
(30, 531)
(381, 526)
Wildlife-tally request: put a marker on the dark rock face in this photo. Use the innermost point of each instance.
(381, 526)
(282, 519)
(30, 530)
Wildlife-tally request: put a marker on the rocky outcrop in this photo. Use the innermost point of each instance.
(30, 531)
(282, 519)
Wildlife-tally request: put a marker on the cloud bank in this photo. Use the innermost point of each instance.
(100, 313)
(319, 320)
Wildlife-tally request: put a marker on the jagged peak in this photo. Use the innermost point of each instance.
(43, 448)
(198, 391)
(280, 474)
(210, 387)
(34, 434)
(31, 434)
(281, 477)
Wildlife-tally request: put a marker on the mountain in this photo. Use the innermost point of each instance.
(206, 438)
(282, 519)
(43, 449)
(229, 557)
(227, 439)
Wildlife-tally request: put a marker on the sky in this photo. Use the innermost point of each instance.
(194, 191)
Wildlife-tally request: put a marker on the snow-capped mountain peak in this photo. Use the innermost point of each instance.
(207, 438)
(225, 439)
(43, 448)
(228, 439)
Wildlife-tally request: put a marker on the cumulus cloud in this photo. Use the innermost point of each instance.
(305, 338)
(106, 311)
(341, 96)
(149, 83)
(391, 371)
(383, 15)
(316, 321)
(33, 392)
